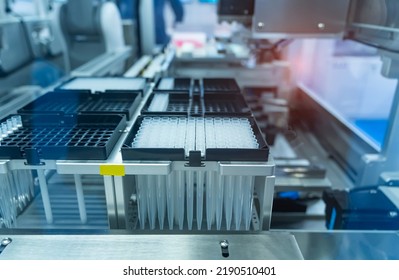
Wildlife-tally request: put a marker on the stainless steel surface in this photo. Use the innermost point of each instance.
(142, 247)
(6, 241)
(247, 168)
(348, 245)
(137, 168)
(307, 18)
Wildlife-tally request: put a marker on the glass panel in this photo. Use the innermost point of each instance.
(349, 81)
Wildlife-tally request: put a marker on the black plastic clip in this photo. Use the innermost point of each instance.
(32, 157)
(194, 159)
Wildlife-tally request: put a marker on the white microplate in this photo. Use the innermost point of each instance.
(103, 84)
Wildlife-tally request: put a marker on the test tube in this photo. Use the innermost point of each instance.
(200, 197)
(210, 198)
(219, 202)
(17, 190)
(179, 210)
(228, 200)
(170, 202)
(161, 200)
(238, 201)
(10, 128)
(151, 200)
(6, 201)
(142, 199)
(190, 198)
(4, 130)
(17, 121)
(248, 201)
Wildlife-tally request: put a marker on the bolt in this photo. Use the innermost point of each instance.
(261, 25)
(6, 241)
(224, 244)
(321, 26)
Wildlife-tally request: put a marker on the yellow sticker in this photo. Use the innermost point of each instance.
(112, 170)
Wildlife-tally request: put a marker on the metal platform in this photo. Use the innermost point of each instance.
(146, 247)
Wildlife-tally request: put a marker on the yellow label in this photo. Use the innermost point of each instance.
(112, 170)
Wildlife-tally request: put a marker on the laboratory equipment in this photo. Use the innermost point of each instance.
(193, 168)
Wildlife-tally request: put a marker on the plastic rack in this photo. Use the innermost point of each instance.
(86, 137)
(84, 102)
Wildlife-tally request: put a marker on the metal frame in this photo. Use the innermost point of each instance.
(374, 23)
(373, 165)
(286, 18)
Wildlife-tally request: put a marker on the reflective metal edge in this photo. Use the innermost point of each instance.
(96, 247)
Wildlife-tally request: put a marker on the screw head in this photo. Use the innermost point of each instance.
(6, 241)
(321, 26)
(224, 244)
(261, 25)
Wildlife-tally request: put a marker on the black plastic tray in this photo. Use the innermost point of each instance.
(183, 85)
(209, 105)
(200, 86)
(179, 104)
(225, 104)
(218, 85)
(74, 137)
(83, 102)
(178, 154)
(137, 85)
